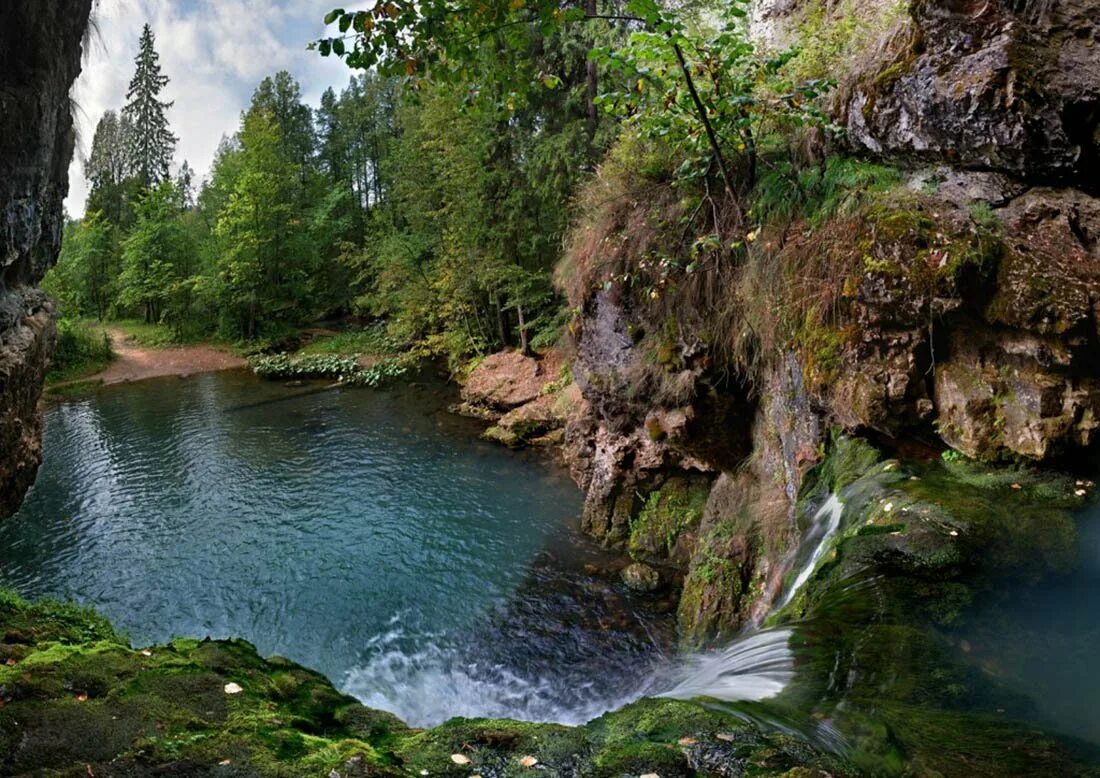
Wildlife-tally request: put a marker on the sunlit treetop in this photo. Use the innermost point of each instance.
(442, 39)
(703, 87)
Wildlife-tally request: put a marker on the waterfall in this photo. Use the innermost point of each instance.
(826, 522)
(748, 670)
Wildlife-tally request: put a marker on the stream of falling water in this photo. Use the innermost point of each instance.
(825, 524)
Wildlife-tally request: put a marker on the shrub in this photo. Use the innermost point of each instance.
(82, 349)
(343, 369)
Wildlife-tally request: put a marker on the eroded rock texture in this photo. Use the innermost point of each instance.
(40, 53)
(990, 85)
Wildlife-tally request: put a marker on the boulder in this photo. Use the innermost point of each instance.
(507, 380)
(641, 577)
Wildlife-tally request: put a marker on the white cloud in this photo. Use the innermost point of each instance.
(214, 51)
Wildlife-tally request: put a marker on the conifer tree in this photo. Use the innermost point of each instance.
(107, 169)
(151, 144)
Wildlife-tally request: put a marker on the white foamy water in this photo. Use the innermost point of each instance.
(752, 668)
(428, 686)
(826, 522)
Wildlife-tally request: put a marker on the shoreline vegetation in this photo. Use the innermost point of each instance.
(93, 354)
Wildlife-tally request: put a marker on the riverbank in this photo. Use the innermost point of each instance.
(137, 358)
(136, 362)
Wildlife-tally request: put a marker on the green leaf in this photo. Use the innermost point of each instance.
(338, 47)
(333, 15)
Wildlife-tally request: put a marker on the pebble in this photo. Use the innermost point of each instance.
(460, 759)
(233, 688)
(528, 761)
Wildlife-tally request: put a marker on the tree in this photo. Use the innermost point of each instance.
(83, 281)
(443, 40)
(185, 185)
(280, 97)
(156, 254)
(151, 144)
(107, 170)
(224, 174)
(268, 255)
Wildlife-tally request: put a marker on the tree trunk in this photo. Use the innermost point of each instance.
(591, 88)
(524, 342)
(701, 110)
(502, 324)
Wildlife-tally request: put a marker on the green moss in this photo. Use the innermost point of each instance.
(822, 348)
(76, 694)
(927, 244)
(836, 36)
(492, 745)
(675, 508)
(711, 601)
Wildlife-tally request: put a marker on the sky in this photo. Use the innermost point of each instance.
(214, 51)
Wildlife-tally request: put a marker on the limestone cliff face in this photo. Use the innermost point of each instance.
(963, 305)
(40, 54)
(989, 85)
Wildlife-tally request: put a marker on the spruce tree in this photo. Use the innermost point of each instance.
(151, 143)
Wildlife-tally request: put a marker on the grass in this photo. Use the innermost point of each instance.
(371, 340)
(83, 350)
(814, 194)
(155, 335)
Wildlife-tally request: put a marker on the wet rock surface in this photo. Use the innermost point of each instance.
(40, 55)
(641, 577)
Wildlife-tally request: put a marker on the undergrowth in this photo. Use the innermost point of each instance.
(344, 369)
(83, 349)
(370, 340)
(702, 297)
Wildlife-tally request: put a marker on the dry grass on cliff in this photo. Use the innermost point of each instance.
(737, 308)
(626, 210)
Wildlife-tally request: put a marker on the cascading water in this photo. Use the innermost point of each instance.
(437, 682)
(825, 524)
(750, 669)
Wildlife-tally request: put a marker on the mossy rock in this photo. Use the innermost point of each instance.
(668, 514)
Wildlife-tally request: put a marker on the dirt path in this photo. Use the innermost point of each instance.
(136, 363)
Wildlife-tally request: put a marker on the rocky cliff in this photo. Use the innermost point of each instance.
(40, 56)
(951, 301)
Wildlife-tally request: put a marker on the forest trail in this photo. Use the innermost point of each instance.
(136, 363)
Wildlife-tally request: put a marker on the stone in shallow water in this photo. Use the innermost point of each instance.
(641, 577)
